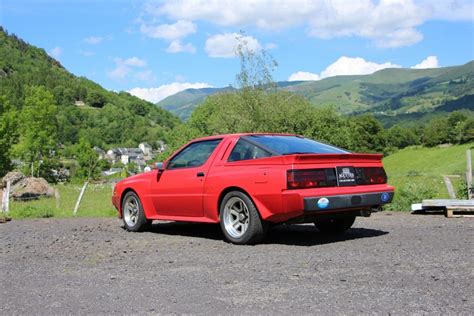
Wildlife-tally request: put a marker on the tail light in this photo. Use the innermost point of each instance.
(319, 178)
(372, 175)
(311, 178)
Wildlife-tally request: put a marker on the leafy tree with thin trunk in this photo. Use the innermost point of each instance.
(38, 129)
(8, 134)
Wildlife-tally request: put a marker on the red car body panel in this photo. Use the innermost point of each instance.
(182, 195)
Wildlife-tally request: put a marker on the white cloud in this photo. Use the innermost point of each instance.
(449, 10)
(93, 40)
(119, 72)
(303, 76)
(56, 52)
(177, 46)
(428, 62)
(86, 53)
(124, 67)
(354, 66)
(155, 95)
(169, 32)
(388, 23)
(146, 76)
(226, 45)
(343, 66)
(133, 61)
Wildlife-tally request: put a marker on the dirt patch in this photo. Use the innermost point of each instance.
(390, 263)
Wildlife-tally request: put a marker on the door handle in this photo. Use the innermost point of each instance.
(200, 174)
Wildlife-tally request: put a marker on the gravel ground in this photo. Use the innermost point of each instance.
(393, 263)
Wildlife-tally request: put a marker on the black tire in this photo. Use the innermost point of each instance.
(335, 225)
(256, 228)
(134, 221)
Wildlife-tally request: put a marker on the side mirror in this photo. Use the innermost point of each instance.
(160, 167)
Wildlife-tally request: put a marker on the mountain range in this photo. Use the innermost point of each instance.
(390, 94)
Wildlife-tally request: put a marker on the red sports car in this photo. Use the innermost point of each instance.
(246, 182)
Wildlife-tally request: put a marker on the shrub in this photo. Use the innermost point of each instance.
(461, 192)
(409, 194)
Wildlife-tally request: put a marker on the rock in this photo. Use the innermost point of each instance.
(23, 187)
(14, 177)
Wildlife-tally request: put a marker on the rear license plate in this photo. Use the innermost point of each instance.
(346, 176)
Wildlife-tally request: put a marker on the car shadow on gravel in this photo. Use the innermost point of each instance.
(295, 235)
(308, 235)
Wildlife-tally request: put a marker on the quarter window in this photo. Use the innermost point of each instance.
(194, 155)
(245, 151)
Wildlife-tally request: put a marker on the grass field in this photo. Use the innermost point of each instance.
(417, 172)
(95, 203)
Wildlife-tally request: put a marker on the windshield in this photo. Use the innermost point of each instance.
(288, 145)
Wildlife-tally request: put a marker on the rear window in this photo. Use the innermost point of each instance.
(288, 145)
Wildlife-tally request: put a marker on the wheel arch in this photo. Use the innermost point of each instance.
(261, 209)
(122, 196)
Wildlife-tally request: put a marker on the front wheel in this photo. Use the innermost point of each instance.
(239, 219)
(132, 213)
(334, 225)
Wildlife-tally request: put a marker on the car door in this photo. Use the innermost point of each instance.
(178, 191)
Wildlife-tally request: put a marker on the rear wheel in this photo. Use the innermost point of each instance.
(239, 219)
(132, 213)
(335, 225)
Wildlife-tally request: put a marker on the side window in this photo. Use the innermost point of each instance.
(194, 155)
(245, 151)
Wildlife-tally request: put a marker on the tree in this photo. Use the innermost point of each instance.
(87, 160)
(455, 125)
(38, 128)
(258, 107)
(8, 134)
(436, 132)
(401, 137)
(96, 99)
(466, 131)
(368, 134)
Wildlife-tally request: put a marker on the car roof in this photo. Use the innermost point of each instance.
(240, 135)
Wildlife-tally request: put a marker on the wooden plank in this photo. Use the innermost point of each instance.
(6, 199)
(450, 187)
(469, 174)
(452, 212)
(57, 198)
(79, 199)
(447, 203)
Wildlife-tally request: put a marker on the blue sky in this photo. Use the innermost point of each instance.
(156, 48)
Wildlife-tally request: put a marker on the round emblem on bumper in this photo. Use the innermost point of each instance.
(385, 197)
(323, 203)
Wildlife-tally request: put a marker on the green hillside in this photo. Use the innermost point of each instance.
(184, 102)
(386, 93)
(419, 169)
(84, 108)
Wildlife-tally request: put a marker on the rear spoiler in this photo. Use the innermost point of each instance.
(322, 158)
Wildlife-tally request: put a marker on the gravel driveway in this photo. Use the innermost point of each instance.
(388, 263)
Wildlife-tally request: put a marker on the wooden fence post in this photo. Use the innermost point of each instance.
(79, 199)
(449, 186)
(6, 199)
(469, 174)
(57, 197)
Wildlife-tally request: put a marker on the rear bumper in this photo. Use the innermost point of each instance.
(296, 203)
(347, 201)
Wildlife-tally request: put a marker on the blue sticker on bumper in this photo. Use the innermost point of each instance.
(323, 203)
